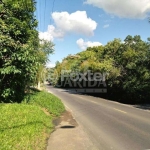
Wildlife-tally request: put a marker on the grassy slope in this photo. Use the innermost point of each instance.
(48, 101)
(26, 126)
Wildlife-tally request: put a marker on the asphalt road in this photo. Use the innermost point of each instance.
(110, 125)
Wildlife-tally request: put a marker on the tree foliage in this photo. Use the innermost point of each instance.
(45, 49)
(18, 48)
(127, 64)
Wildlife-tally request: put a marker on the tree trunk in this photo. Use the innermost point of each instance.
(39, 85)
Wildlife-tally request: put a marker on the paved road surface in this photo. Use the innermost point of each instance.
(110, 125)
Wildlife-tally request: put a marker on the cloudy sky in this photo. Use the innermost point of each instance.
(74, 25)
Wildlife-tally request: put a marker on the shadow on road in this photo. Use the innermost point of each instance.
(143, 106)
(105, 96)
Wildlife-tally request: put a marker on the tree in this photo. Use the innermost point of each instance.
(127, 65)
(135, 61)
(18, 48)
(45, 49)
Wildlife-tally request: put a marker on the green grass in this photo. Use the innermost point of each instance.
(26, 126)
(48, 101)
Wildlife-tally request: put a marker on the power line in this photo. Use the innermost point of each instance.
(37, 15)
(40, 14)
(52, 10)
(53, 6)
(44, 12)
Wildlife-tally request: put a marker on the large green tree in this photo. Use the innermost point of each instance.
(18, 48)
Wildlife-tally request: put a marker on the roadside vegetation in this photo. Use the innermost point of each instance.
(23, 55)
(27, 126)
(126, 64)
(25, 115)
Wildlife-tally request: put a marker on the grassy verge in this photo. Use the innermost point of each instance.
(26, 126)
(50, 102)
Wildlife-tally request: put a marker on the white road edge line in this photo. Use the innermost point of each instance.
(67, 108)
(120, 110)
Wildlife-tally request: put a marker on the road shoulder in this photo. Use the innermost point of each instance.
(69, 135)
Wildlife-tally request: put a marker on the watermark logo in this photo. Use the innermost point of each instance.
(85, 82)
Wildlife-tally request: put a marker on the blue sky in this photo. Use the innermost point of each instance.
(73, 25)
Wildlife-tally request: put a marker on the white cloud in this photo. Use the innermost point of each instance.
(56, 33)
(76, 22)
(45, 36)
(51, 33)
(50, 65)
(84, 44)
(106, 26)
(126, 9)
